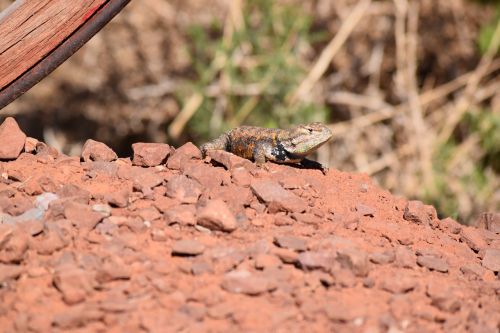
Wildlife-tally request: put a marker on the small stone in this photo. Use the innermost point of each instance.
(365, 210)
(30, 145)
(473, 238)
(183, 189)
(82, 215)
(474, 271)
(150, 154)
(491, 260)
(315, 260)
(405, 258)
(399, 284)
(97, 151)
(433, 263)
(183, 154)
(382, 258)
(277, 198)
(13, 244)
(74, 284)
(450, 225)
(187, 247)
(280, 219)
(241, 176)
(10, 272)
(286, 256)
(182, 214)
(489, 221)
(355, 260)
(12, 139)
(244, 282)
(230, 161)
(443, 296)
(33, 227)
(291, 242)
(267, 261)
(118, 198)
(158, 235)
(417, 212)
(307, 218)
(201, 267)
(77, 316)
(43, 200)
(216, 216)
(103, 209)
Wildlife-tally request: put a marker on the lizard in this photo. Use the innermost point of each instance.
(272, 144)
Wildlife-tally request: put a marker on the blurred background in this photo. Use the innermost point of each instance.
(410, 88)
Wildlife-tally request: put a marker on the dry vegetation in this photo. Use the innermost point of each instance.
(411, 88)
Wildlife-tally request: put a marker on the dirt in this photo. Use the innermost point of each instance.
(165, 241)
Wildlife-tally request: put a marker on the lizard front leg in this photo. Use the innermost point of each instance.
(259, 154)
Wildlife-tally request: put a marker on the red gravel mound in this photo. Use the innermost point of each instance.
(167, 242)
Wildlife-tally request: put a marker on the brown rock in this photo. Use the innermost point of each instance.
(12, 139)
(267, 261)
(291, 242)
(187, 247)
(399, 284)
(13, 244)
(150, 154)
(277, 198)
(181, 155)
(308, 218)
(230, 161)
(216, 216)
(244, 282)
(473, 238)
(491, 260)
(315, 260)
(382, 258)
(489, 221)
(82, 215)
(30, 145)
(183, 189)
(365, 210)
(10, 272)
(355, 260)
(450, 225)
(74, 284)
(433, 263)
(443, 296)
(181, 214)
(97, 151)
(417, 212)
(117, 198)
(113, 268)
(286, 256)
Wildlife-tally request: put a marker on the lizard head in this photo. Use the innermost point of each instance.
(305, 139)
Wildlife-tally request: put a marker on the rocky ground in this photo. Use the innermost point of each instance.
(166, 241)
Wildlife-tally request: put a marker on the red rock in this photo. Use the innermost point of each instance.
(491, 260)
(113, 268)
(10, 272)
(315, 260)
(13, 245)
(145, 179)
(52, 239)
(244, 282)
(82, 215)
(158, 235)
(181, 155)
(280, 219)
(187, 247)
(399, 284)
(12, 139)
(474, 271)
(489, 221)
(365, 210)
(183, 189)
(97, 151)
(417, 212)
(405, 258)
(150, 154)
(194, 310)
(118, 198)
(207, 176)
(473, 238)
(291, 242)
(30, 145)
(75, 192)
(286, 256)
(74, 284)
(382, 258)
(355, 260)
(433, 263)
(450, 225)
(181, 214)
(77, 316)
(444, 297)
(266, 261)
(216, 216)
(230, 161)
(277, 198)
(241, 176)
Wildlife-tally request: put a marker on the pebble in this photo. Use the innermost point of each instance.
(416, 212)
(277, 198)
(74, 284)
(12, 139)
(10, 272)
(150, 154)
(216, 216)
(433, 263)
(183, 189)
(472, 237)
(315, 260)
(182, 155)
(291, 242)
(181, 214)
(491, 260)
(187, 247)
(365, 210)
(230, 161)
(399, 284)
(97, 151)
(244, 282)
(43, 200)
(355, 260)
(266, 261)
(382, 258)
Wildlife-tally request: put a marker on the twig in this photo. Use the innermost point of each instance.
(330, 51)
(177, 126)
